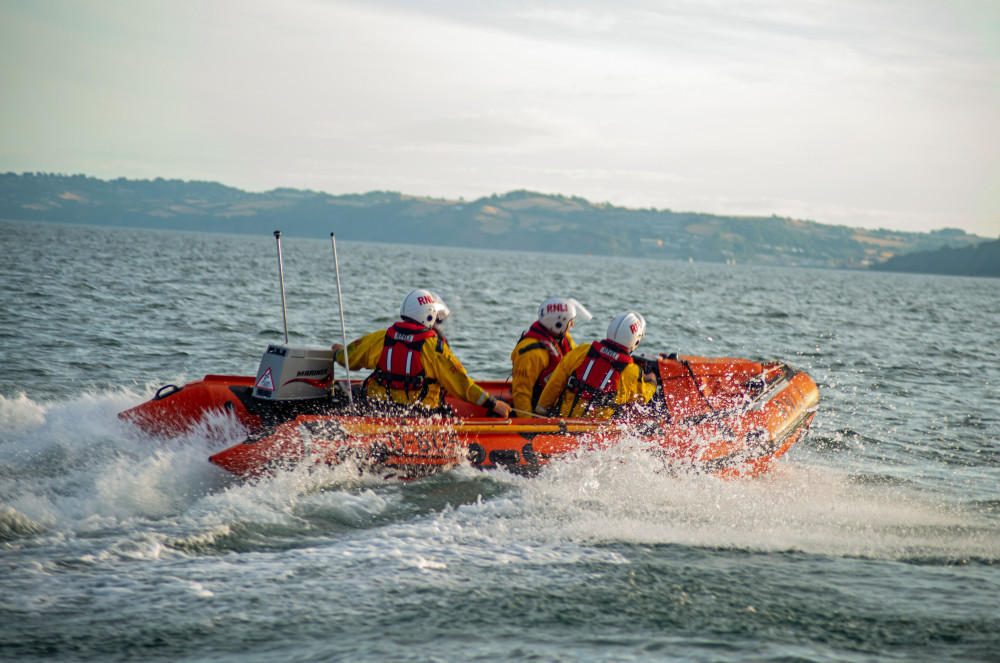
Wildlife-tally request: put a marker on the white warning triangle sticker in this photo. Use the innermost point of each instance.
(266, 381)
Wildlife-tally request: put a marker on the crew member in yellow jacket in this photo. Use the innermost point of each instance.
(412, 361)
(541, 348)
(598, 380)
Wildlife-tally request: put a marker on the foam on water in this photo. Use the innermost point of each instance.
(20, 414)
(620, 495)
(74, 470)
(73, 466)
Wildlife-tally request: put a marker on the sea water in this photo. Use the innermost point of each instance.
(877, 538)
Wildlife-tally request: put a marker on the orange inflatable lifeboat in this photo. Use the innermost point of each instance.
(731, 417)
(291, 381)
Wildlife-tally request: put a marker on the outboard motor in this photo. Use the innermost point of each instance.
(291, 373)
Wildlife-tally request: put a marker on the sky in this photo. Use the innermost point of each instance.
(864, 113)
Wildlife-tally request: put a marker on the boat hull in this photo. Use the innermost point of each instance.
(729, 417)
(178, 410)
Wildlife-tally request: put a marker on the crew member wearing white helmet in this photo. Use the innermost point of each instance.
(412, 361)
(541, 348)
(597, 380)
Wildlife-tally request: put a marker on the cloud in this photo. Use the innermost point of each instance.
(839, 108)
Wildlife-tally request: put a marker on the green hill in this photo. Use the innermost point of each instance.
(975, 260)
(520, 220)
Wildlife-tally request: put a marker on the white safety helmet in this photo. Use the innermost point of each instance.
(556, 314)
(627, 329)
(424, 307)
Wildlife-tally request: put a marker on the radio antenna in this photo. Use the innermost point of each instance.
(281, 279)
(343, 328)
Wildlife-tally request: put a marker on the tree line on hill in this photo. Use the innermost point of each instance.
(517, 220)
(981, 259)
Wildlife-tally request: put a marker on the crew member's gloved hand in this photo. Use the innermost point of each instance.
(502, 409)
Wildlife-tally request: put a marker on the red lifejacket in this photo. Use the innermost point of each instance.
(399, 366)
(596, 379)
(557, 349)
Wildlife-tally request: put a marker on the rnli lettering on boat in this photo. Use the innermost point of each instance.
(406, 442)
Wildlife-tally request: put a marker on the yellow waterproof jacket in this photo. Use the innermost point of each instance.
(527, 368)
(438, 362)
(632, 389)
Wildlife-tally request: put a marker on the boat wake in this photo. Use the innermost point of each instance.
(72, 471)
(613, 495)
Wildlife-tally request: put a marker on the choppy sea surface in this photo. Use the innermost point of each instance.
(875, 539)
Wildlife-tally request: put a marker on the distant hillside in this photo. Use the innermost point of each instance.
(520, 220)
(976, 260)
